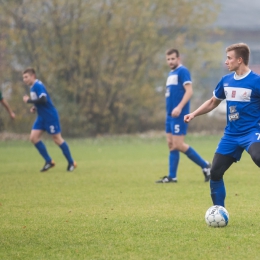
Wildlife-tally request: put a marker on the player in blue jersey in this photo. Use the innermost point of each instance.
(47, 120)
(6, 106)
(178, 94)
(241, 89)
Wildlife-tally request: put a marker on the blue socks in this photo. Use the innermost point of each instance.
(218, 192)
(43, 151)
(174, 157)
(195, 157)
(66, 151)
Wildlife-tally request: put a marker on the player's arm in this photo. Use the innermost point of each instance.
(203, 109)
(41, 100)
(8, 108)
(186, 97)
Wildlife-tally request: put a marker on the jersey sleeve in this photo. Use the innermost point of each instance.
(219, 92)
(185, 77)
(39, 90)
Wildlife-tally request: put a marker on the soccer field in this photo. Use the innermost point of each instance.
(111, 208)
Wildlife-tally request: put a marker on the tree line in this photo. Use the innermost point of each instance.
(103, 62)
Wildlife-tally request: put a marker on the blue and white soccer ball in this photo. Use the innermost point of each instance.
(217, 216)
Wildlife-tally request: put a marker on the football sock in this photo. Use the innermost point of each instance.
(174, 157)
(218, 192)
(195, 157)
(66, 151)
(43, 151)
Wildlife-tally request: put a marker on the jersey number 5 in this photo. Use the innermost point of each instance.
(176, 129)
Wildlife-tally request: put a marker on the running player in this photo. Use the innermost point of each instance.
(178, 94)
(6, 106)
(47, 120)
(241, 89)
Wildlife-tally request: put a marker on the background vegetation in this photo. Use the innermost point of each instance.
(103, 61)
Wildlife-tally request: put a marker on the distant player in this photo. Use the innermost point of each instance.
(47, 120)
(178, 94)
(6, 106)
(241, 89)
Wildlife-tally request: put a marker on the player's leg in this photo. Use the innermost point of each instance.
(194, 156)
(35, 138)
(219, 166)
(173, 159)
(179, 132)
(57, 138)
(254, 151)
(227, 152)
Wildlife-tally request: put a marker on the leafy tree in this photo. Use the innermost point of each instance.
(102, 61)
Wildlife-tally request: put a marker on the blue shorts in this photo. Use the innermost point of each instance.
(51, 127)
(175, 125)
(234, 146)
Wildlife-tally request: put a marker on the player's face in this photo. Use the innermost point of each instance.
(232, 61)
(28, 79)
(173, 61)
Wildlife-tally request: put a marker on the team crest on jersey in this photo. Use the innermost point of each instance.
(233, 95)
(225, 84)
(232, 109)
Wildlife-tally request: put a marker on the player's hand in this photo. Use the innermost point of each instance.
(12, 115)
(25, 98)
(188, 118)
(33, 109)
(176, 112)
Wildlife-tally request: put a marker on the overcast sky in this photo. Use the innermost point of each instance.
(239, 14)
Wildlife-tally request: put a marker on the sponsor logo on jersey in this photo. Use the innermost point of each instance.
(172, 80)
(238, 94)
(233, 117)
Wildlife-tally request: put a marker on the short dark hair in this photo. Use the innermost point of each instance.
(171, 51)
(241, 50)
(30, 71)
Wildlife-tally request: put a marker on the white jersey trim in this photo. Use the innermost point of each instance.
(187, 82)
(239, 77)
(217, 97)
(43, 94)
(238, 94)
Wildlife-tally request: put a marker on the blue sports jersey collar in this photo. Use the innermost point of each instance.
(239, 77)
(34, 83)
(176, 68)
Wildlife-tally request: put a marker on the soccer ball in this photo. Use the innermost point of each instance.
(217, 216)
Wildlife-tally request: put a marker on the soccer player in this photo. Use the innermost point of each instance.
(6, 106)
(241, 89)
(178, 94)
(47, 120)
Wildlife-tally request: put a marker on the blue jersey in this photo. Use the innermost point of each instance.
(175, 89)
(46, 111)
(243, 102)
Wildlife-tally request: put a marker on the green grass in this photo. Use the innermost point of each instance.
(110, 207)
